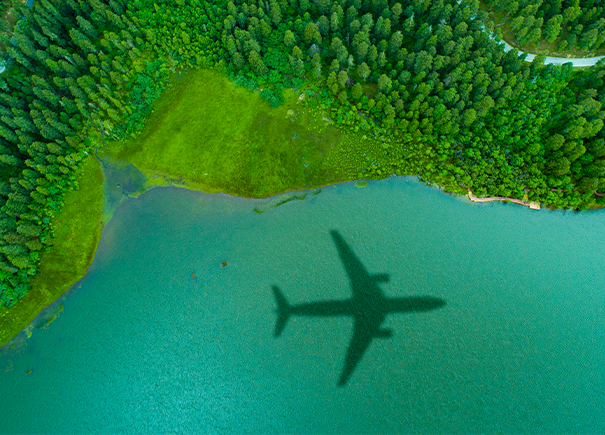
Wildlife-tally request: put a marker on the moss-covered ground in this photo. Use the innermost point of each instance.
(77, 230)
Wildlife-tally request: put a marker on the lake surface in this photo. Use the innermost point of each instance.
(141, 345)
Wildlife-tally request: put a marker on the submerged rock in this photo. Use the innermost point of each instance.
(284, 199)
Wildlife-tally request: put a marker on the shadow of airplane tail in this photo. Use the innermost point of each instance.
(283, 311)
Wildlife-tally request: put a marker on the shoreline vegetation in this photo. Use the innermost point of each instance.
(266, 97)
(77, 233)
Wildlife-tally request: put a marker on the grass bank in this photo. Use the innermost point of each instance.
(77, 230)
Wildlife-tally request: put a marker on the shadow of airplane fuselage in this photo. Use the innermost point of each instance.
(368, 307)
(378, 307)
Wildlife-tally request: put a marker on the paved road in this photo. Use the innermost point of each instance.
(586, 61)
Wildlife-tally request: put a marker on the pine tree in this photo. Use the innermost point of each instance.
(323, 24)
(312, 34)
(335, 22)
(87, 28)
(342, 54)
(335, 66)
(238, 61)
(265, 28)
(297, 52)
(362, 51)
(384, 84)
(305, 5)
(368, 21)
(395, 43)
(423, 63)
(357, 91)
(230, 45)
(396, 12)
(364, 71)
(275, 13)
(332, 82)
(372, 53)
(316, 63)
(324, 6)
(257, 63)
(343, 77)
(589, 39)
(289, 39)
(81, 41)
(299, 68)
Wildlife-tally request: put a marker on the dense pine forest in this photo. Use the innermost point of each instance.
(426, 78)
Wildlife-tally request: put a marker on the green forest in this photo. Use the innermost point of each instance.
(427, 79)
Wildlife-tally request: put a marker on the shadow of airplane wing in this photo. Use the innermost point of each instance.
(364, 330)
(363, 284)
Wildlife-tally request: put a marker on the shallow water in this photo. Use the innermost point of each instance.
(141, 345)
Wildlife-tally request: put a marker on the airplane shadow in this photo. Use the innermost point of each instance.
(368, 307)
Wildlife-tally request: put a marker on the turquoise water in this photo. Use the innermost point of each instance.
(141, 345)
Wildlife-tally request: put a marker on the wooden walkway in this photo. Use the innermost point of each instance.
(530, 204)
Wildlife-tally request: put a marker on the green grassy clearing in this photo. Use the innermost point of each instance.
(77, 232)
(207, 133)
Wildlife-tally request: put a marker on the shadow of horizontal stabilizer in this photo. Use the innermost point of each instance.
(283, 311)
